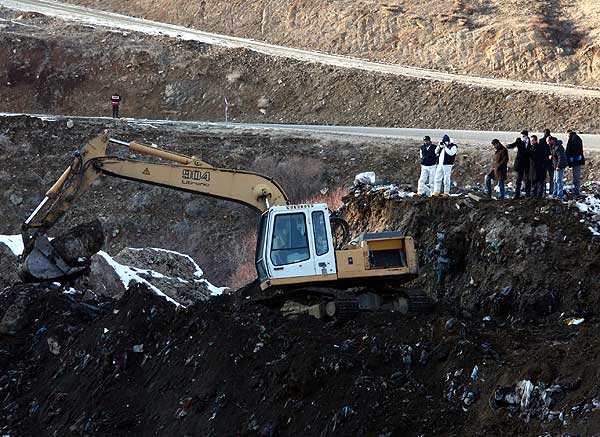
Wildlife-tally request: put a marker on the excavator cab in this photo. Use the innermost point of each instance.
(295, 245)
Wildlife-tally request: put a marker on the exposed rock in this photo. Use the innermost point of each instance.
(81, 242)
(174, 274)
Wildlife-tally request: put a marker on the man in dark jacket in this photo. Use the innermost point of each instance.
(521, 167)
(499, 170)
(539, 165)
(559, 163)
(545, 142)
(575, 158)
(429, 162)
(115, 101)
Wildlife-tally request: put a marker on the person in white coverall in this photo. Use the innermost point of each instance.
(428, 165)
(446, 153)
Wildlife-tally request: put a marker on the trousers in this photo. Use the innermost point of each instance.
(442, 173)
(559, 182)
(576, 179)
(426, 180)
(501, 186)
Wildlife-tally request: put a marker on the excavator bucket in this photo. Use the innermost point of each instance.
(44, 263)
(64, 256)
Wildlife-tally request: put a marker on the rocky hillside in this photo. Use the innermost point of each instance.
(546, 40)
(50, 66)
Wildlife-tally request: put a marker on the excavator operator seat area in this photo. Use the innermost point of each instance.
(295, 241)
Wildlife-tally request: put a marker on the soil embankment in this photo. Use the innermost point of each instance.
(49, 66)
(546, 41)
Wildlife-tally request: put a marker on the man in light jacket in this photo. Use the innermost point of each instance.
(446, 152)
(429, 162)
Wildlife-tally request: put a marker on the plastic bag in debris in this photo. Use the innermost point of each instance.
(366, 178)
(524, 390)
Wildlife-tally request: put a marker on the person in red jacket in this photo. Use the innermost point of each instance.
(116, 102)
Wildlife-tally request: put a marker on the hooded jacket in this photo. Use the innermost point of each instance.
(559, 157)
(446, 151)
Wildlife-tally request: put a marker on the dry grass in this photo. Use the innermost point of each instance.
(243, 258)
(333, 198)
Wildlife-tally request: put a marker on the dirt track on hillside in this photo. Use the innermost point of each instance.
(50, 70)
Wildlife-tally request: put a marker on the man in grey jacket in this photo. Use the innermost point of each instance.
(559, 163)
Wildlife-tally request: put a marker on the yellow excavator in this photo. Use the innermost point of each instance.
(300, 266)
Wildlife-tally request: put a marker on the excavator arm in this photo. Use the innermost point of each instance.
(175, 171)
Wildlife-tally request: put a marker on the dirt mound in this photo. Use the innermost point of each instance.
(528, 259)
(137, 366)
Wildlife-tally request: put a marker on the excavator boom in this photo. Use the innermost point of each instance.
(179, 172)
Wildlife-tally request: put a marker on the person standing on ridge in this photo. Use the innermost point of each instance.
(545, 143)
(539, 159)
(499, 170)
(521, 167)
(575, 158)
(428, 167)
(559, 162)
(446, 152)
(116, 103)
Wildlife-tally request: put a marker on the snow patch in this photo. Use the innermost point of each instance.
(198, 271)
(591, 205)
(129, 274)
(14, 243)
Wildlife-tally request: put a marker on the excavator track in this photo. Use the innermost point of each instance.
(417, 301)
(340, 304)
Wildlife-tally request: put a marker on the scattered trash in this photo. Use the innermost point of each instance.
(138, 348)
(475, 373)
(184, 408)
(574, 321)
(53, 346)
(366, 178)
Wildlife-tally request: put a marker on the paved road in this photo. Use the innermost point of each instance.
(96, 17)
(592, 142)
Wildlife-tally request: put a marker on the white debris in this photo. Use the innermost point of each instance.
(574, 321)
(524, 390)
(14, 243)
(367, 178)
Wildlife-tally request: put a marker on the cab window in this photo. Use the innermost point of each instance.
(260, 244)
(290, 242)
(320, 231)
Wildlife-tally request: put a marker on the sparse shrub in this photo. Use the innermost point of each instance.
(300, 177)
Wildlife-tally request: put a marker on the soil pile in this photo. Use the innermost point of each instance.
(137, 366)
(526, 260)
